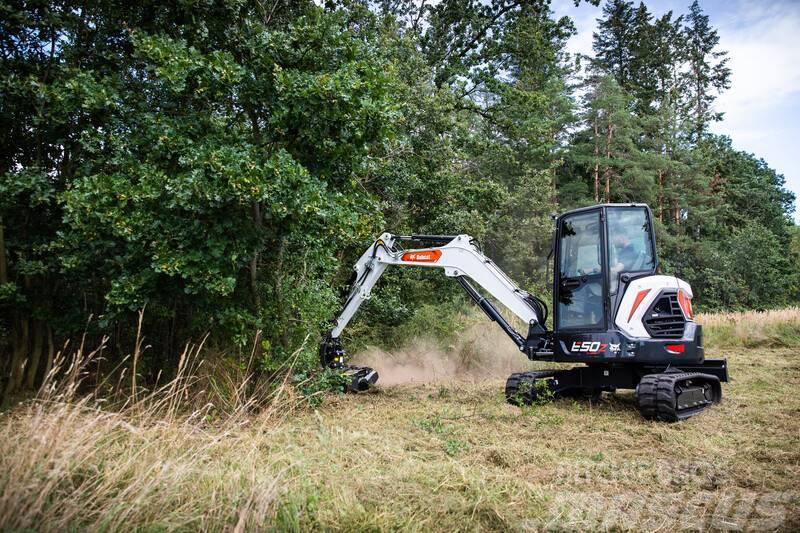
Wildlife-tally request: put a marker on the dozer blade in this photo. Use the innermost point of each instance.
(674, 396)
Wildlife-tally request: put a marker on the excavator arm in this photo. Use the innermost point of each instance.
(460, 258)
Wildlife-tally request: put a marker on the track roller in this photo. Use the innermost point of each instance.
(674, 396)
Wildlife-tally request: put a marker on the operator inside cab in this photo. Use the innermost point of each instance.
(631, 243)
(624, 255)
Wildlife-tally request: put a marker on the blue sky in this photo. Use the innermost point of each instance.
(762, 107)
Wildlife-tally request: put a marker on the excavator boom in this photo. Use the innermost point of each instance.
(460, 258)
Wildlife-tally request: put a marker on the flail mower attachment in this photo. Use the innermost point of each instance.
(332, 355)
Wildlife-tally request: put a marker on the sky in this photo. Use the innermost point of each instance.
(762, 107)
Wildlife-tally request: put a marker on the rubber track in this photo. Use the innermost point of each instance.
(514, 381)
(657, 399)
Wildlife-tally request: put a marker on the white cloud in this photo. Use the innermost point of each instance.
(762, 107)
(584, 17)
(762, 43)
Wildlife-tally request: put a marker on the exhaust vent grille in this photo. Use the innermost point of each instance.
(664, 319)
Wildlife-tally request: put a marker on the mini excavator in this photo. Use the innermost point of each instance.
(625, 325)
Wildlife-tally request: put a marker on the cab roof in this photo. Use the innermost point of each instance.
(597, 206)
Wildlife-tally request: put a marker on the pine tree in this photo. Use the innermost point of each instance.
(708, 71)
(608, 148)
(529, 113)
(643, 82)
(665, 55)
(613, 41)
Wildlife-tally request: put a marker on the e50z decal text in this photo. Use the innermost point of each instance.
(589, 347)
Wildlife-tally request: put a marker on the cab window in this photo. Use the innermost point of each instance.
(630, 243)
(580, 290)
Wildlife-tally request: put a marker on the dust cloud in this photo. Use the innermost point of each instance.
(479, 353)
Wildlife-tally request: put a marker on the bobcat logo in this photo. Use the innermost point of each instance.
(613, 348)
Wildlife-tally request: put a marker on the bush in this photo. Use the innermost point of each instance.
(314, 386)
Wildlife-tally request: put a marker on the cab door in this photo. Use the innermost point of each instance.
(579, 291)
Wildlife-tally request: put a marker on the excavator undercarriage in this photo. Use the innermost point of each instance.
(670, 395)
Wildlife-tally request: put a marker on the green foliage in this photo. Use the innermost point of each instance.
(452, 447)
(432, 424)
(539, 391)
(447, 433)
(315, 385)
(409, 304)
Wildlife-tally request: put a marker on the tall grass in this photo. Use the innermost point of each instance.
(750, 329)
(165, 458)
(208, 450)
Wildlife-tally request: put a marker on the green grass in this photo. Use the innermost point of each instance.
(449, 454)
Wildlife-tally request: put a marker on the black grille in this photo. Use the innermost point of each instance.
(665, 319)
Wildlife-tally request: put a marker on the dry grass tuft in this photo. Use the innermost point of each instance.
(135, 458)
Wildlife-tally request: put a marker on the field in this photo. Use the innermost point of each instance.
(435, 449)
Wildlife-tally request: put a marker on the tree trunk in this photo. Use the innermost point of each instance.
(660, 200)
(555, 175)
(716, 183)
(257, 219)
(283, 314)
(17, 366)
(6, 357)
(51, 352)
(3, 265)
(699, 104)
(35, 355)
(596, 165)
(555, 187)
(607, 172)
(699, 107)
